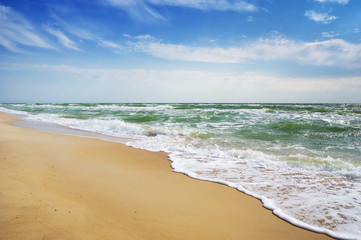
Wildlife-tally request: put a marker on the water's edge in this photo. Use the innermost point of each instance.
(59, 129)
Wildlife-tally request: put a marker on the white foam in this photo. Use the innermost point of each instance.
(12, 112)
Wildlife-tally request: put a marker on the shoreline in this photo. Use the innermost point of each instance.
(69, 187)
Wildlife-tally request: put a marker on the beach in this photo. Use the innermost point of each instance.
(66, 187)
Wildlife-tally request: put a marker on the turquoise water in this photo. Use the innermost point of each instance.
(302, 160)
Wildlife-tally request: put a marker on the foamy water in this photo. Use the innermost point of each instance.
(303, 161)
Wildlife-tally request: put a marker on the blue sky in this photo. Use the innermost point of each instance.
(180, 51)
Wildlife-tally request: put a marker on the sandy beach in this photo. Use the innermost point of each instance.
(65, 187)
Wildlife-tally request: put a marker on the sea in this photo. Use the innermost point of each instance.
(303, 161)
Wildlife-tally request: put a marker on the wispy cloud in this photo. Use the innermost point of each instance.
(343, 2)
(16, 30)
(116, 48)
(8, 44)
(330, 34)
(144, 9)
(73, 29)
(320, 17)
(82, 34)
(137, 9)
(215, 5)
(145, 37)
(250, 19)
(187, 53)
(62, 38)
(333, 52)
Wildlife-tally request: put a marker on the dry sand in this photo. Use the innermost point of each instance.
(65, 187)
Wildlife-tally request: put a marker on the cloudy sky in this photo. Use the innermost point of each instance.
(180, 51)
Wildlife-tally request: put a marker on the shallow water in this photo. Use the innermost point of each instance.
(302, 160)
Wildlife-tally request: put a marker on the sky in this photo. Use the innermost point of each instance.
(247, 51)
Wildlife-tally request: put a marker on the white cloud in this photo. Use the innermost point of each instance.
(137, 9)
(142, 9)
(16, 30)
(144, 37)
(320, 17)
(186, 53)
(333, 52)
(83, 34)
(74, 30)
(127, 35)
(112, 45)
(7, 43)
(343, 2)
(62, 38)
(250, 19)
(330, 34)
(216, 5)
